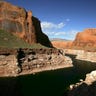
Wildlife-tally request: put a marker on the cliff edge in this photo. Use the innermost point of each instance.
(21, 23)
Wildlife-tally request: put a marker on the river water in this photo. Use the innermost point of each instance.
(48, 83)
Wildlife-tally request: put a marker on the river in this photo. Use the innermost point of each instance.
(48, 83)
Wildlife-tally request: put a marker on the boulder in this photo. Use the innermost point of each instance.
(86, 87)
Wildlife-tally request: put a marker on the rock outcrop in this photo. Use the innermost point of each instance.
(22, 24)
(86, 39)
(87, 56)
(82, 54)
(84, 88)
(30, 61)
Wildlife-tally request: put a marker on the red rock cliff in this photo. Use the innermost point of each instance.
(84, 40)
(62, 44)
(87, 38)
(21, 23)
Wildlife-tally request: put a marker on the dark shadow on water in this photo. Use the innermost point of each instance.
(49, 83)
(9, 87)
(82, 66)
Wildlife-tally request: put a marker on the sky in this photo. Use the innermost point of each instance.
(61, 18)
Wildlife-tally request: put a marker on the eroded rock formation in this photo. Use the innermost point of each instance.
(86, 87)
(30, 61)
(82, 54)
(22, 23)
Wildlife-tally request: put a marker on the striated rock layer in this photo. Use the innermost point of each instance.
(82, 54)
(30, 61)
(22, 24)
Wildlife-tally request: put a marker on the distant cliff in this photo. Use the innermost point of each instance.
(86, 39)
(22, 24)
(62, 44)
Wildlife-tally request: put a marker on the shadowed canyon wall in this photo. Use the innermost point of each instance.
(22, 24)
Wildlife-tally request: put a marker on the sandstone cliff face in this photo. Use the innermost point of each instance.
(21, 23)
(62, 44)
(86, 38)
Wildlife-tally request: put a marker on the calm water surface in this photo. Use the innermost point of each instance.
(49, 83)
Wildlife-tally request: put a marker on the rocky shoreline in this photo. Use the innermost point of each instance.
(82, 54)
(31, 61)
(85, 87)
(47, 67)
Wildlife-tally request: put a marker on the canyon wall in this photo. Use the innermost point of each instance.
(21, 23)
(86, 39)
(62, 44)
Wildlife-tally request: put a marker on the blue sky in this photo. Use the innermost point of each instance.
(61, 18)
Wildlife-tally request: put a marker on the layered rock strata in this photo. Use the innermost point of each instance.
(30, 61)
(82, 54)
